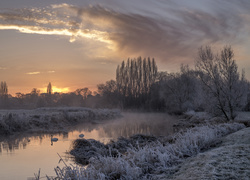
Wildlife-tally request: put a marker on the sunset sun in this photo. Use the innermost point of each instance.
(60, 90)
(56, 89)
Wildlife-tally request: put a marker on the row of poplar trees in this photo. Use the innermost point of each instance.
(134, 79)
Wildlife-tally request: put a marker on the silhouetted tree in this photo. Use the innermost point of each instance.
(4, 94)
(84, 92)
(4, 89)
(134, 80)
(49, 97)
(49, 88)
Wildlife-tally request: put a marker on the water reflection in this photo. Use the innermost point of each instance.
(130, 124)
(10, 145)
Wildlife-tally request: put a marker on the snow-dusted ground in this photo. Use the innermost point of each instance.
(230, 160)
(153, 159)
(192, 119)
(50, 119)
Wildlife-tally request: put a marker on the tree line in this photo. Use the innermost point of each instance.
(215, 85)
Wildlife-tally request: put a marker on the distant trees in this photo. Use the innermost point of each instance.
(84, 92)
(226, 90)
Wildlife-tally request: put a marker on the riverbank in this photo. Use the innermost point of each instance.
(146, 157)
(192, 119)
(50, 120)
(166, 157)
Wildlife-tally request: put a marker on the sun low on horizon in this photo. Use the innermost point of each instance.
(55, 89)
(77, 44)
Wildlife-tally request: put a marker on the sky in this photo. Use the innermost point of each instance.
(79, 43)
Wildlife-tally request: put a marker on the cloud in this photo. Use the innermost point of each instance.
(33, 73)
(169, 37)
(48, 22)
(86, 33)
(38, 72)
(3, 68)
(166, 37)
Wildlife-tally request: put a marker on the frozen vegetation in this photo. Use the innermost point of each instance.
(145, 157)
(230, 160)
(50, 119)
(191, 119)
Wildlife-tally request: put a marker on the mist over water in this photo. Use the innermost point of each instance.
(139, 123)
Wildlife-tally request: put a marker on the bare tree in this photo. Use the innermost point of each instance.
(221, 79)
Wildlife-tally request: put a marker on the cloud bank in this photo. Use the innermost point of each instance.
(166, 37)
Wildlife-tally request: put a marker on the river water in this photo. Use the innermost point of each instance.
(23, 155)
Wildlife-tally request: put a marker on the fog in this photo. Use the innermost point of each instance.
(158, 124)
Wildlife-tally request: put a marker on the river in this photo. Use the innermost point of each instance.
(22, 155)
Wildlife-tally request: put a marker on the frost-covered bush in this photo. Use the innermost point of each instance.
(146, 161)
(104, 168)
(83, 150)
(113, 168)
(53, 119)
(11, 122)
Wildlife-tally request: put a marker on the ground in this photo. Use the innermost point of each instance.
(229, 160)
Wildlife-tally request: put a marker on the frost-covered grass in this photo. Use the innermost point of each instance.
(230, 160)
(50, 119)
(152, 160)
(191, 119)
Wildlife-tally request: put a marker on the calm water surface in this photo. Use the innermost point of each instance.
(23, 155)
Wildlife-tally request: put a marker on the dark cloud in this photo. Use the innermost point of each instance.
(167, 38)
